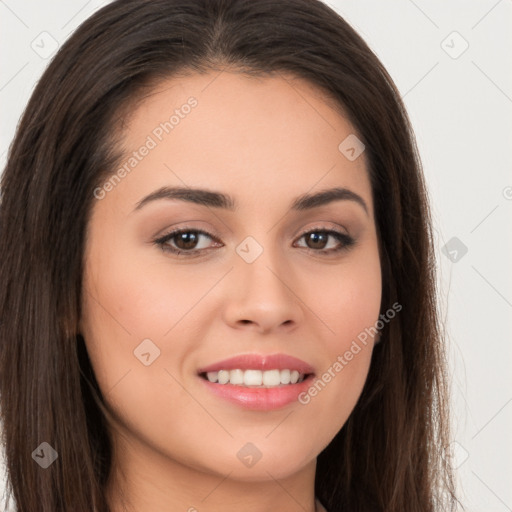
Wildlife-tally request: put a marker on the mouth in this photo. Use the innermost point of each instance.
(256, 378)
(258, 382)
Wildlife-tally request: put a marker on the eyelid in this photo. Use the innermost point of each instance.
(185, 229)
(178, 228)
(325, 226)
(215, 235)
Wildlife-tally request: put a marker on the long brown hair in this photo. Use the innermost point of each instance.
(390, 454)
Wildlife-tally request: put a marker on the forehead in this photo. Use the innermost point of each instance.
(273, 135)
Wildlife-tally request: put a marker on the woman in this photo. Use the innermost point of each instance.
(218, 286)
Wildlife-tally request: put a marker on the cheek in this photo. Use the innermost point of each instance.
(129, 298)
(347, 298)
(116, 311)
(137, 297)
(349, 305)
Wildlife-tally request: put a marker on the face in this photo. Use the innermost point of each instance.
(261, 286)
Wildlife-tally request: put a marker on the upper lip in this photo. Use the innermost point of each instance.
(260, 362)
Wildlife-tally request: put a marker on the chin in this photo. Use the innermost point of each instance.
(251, 464)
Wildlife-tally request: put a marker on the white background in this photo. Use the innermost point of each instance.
(461, 112)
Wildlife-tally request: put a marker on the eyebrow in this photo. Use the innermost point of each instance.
(213, 199)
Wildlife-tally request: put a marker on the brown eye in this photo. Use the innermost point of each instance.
(188, 241)
(184, 241)
(317, 241)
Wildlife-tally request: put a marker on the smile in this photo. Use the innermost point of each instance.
(258, 382)
(256, 378)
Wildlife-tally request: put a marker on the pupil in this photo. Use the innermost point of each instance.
(316, 237)
(189, 239)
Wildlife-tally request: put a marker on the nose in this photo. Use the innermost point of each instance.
(263, 296)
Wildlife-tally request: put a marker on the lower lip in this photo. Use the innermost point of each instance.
(259, 399)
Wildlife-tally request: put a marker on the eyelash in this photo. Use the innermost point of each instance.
(346, 241)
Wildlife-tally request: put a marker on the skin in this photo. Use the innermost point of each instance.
(264, 141)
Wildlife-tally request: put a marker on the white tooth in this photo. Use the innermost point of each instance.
(253, 377)
(236, 377)
(212, 376)
(223, 376)
(271, 378)
(294, 377)
(285, 376)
